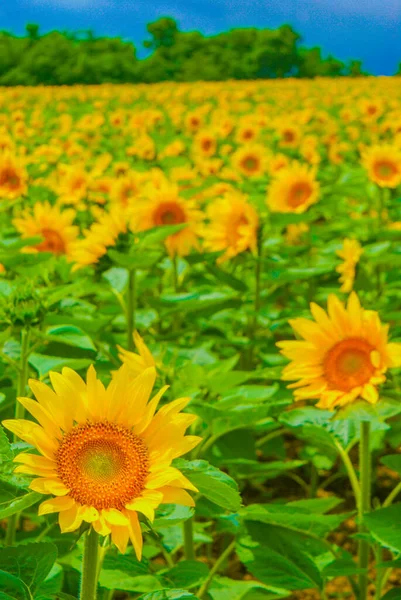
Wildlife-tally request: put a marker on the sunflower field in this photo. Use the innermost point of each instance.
(200, 341)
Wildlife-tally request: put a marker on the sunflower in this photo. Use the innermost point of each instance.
(164, 206)
(383, 164)
(55, 226)
(344, 354)
(102, 234)
(204, 143)
(249, 160)
(73, 184)
(126, 189)
(13, 177)
(350, 253)
(289, 135)
(233, 226)
(137, 362)
(104, 453)
(293, 190)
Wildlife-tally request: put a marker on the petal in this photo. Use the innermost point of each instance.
(175, 495)
(135, 534)
(56, 505)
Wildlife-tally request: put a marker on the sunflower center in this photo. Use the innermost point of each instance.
(207, 145)
(250, 163)
(104, 465)
(299, 194)
(348, 364)
(169, 213)
(53, 242)
(288, 136)
(385, 170)
(10, 178)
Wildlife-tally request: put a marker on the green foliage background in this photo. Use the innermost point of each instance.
(62, 58)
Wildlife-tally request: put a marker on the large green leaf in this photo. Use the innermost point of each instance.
(18, 504)
(187, 574)
(212, 483)
(382, 525)
(30, 563)
(167, 594)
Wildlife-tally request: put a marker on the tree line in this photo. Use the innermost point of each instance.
(65, 58)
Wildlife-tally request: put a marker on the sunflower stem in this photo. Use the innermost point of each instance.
(364, 504)
(131, 308)
(90, 566)
(19, 414)
(189, 550)
(175, 273)
(219, 562)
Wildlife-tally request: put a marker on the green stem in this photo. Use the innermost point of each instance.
(270, 436)
(189, 550)
(350, 472)
(392, 495)
(19, 414)
(175, 273)
(90, 566)
(364, 504)
(314, 481)
(131, 308)
(222, 558)
(379, 574)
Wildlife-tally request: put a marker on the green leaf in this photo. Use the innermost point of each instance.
(342, 568)
(13, 587)
(224, 588)
(381, 524)
(70, 335)
(117, 278)
(43, 363)
(187, 574)
(392, 595)
(31, 563)
(226, 278)
(119, 580)
(19, 504)
(159, 234)
(167, 594)
(6, 454)
(212, 483)
(294, 518)
(393, 462)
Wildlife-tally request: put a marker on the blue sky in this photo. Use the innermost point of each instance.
(364, 29)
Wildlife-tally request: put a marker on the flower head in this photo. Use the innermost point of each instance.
(233, 226)
(383, 164)
(350, 253)
(293, 190)
(104, 454)
(344, 354)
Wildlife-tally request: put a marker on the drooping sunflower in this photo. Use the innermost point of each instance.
(250, 160)
(293, 190)
(137, 362)
(102, 234)
(350, 254)
(233, 226)
(383, 164)
(54, 225)
(164, 206)
(13, 177)
(343, 354)
(104, 453)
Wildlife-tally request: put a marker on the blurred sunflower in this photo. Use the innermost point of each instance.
(104, 453)
(164, 206)
(293, 190)
(102, 234)
(344, 354)
(137, 362)
(350, 253)
(51, 223)
(250, 160)
(13, 177)
(233, 226)
(383, 164)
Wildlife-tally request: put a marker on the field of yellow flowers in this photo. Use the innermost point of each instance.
(200, 365)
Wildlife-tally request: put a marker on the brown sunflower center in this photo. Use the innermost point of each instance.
(9, 178)
(385, 169)
(250, 164)
(207, 145)
(104, 465)
(348, 364)
(288, 135)
(52, 242)
(169, 213)
(299, 194)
